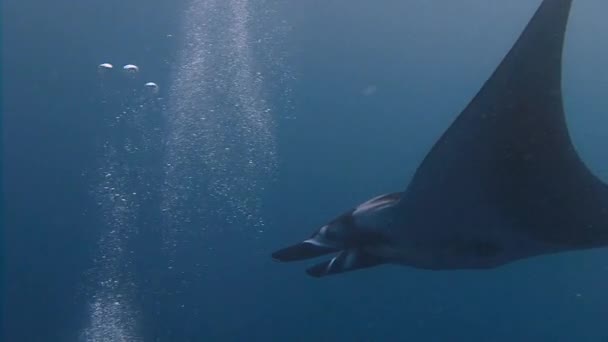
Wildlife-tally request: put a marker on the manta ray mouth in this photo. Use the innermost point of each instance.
(303, 250)
(348, 259)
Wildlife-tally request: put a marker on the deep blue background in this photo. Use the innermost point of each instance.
(426, 58)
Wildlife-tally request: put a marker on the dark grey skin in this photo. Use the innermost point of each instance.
(503, 183)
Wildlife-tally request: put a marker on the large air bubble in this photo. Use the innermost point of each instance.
(104, 68)
(130, 69)
(151, 88)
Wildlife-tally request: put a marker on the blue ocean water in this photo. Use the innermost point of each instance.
(131, 216)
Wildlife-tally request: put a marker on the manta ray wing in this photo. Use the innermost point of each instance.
(509, 150)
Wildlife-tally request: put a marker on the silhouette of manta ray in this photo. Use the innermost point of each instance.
(503, 183)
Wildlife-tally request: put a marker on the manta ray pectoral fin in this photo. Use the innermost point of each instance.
(347, 260)
(303, 250)
(510, 150)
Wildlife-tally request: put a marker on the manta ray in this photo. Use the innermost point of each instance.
(503, 183)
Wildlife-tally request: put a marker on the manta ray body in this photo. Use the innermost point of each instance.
(503, 183)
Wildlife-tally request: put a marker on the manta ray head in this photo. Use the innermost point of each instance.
(353, 234)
